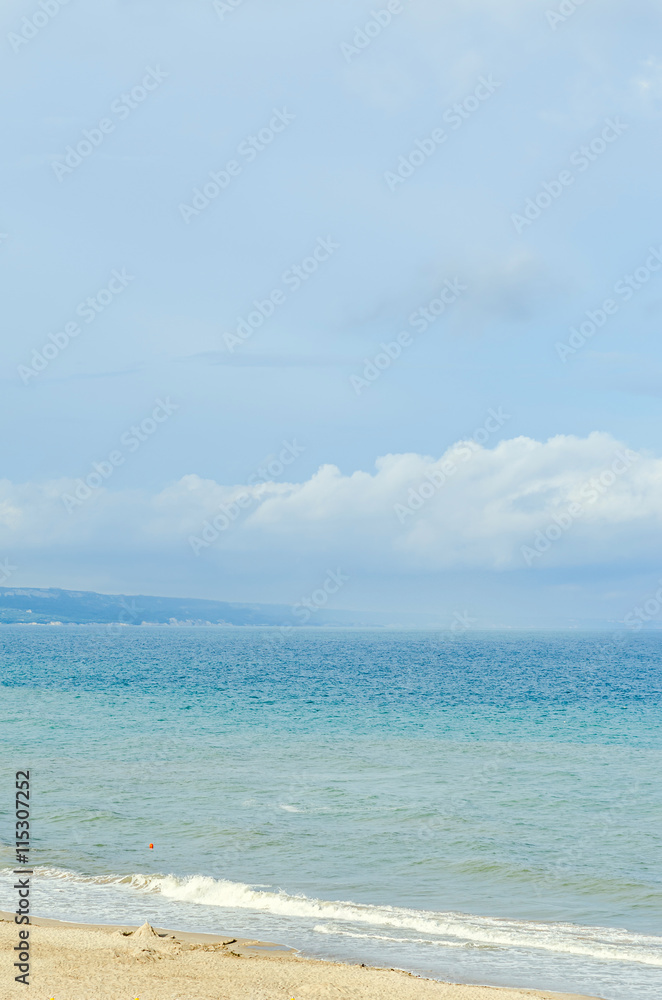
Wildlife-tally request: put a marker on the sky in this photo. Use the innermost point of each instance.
(299, 288)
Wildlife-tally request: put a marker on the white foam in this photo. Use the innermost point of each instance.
(330, 929)
(447, 929)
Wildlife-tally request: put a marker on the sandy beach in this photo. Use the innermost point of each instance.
(86, 962)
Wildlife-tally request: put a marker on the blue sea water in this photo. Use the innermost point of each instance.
(484, 807)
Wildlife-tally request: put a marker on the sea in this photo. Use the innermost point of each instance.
(477, 807)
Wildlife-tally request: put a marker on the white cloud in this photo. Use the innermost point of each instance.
(474, 507)
(648, 85)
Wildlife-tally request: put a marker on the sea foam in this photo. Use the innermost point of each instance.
(347, 918)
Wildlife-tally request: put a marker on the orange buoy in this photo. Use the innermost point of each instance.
(151, 847)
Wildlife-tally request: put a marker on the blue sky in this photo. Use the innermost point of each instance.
(180, 87)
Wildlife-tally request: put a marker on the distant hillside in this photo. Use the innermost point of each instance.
(22, 605)
(26, 604)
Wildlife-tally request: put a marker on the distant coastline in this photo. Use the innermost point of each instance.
(51, 606)
(56, 607)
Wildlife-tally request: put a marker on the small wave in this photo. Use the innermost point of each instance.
(320, 929)
(450, 929)
(64, 875)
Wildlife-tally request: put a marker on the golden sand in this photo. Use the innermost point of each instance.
(81, 962)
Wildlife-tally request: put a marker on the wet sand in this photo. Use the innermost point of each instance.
(97, 962)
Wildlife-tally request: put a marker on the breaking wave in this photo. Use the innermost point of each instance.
(347, 918)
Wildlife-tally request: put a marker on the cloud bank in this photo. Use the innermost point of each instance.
(565, 502)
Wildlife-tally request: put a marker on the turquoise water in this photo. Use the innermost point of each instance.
(484, 807)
